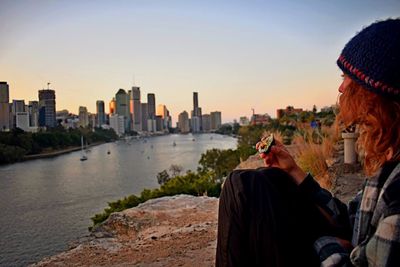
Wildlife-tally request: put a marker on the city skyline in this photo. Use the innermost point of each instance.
(237, 55)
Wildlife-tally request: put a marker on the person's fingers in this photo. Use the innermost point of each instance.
(257, 145)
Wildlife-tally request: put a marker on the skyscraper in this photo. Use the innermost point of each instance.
(4, 106)
(145, 116)
(16, 107)
(83, 117)
(122, 107)
(33, 110)
(113, 106)
(135, 109)
(100, 112)
(183, 120)
(196, 124)
(151, 105)
(215, 120)
(206, 121)
(151, 109)
(195, 102)
(47, 108)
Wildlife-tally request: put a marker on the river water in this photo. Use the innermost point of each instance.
(47, 203)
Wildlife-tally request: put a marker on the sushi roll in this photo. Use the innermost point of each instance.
(266, 144)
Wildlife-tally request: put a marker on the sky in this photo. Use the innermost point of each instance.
(238, 55)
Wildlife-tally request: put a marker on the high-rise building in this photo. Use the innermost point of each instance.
(33, 110)
(215, 120)
(83, 117)
(196, 124)
(100, 112)
(151, 105)
(164, 113)
(4, 106)
(135, 109)
(117, 122)
(145, 115)
(183, 121)
(206, 121)
(159, 123)
(47, 108)
(195, 102)
(16, 106)
(22, 121)
(4, 92)
(113, 106)
(122, 109)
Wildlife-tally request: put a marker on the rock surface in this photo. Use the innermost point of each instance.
(170, 231)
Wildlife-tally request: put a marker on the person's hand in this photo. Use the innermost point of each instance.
(280, 157)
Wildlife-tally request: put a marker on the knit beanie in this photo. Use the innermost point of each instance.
(372, 58)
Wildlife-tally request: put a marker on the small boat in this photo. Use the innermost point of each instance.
(83, 154)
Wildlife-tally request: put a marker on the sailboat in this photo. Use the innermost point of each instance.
(83, 154)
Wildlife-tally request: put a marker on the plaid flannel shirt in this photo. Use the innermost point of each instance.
(374, 216)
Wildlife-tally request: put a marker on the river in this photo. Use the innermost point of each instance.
(47, 203)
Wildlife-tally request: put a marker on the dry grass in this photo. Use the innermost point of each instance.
(312, 157)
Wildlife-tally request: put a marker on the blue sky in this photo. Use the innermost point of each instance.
(237, 54)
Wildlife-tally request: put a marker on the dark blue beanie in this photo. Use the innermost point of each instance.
(372, 58)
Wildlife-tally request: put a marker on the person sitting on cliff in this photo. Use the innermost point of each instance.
(280, 216)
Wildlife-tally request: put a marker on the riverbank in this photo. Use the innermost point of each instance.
(58, 152)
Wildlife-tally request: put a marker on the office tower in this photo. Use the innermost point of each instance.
(196, 124)
(215, 120)
(195, 101)
(33, 110)
(83, 117)
(183, 120)
(4, 92)
(47, 108)
(92, 120)
(159, 123)
(4, 107)
(151, 105)
(113, 106)
(145, 115)
(16, 106)
(161, 111)
(122, 107)
(164, 113)
(135, 109)
(117, 122)
(206, 122)
(100, 112)
(22, 121)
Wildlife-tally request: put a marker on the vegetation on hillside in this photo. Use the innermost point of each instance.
(14, 145)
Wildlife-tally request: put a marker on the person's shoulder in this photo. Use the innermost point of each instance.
(391, 196)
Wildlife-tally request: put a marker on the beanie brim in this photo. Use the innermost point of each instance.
(367, 82)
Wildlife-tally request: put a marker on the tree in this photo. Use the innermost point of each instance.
(175, 170)
(163, 177)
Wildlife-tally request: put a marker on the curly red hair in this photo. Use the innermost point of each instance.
(377, 119)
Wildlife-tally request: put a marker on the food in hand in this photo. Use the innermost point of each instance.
(266, 143)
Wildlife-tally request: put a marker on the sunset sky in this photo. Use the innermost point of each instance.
(238, 55)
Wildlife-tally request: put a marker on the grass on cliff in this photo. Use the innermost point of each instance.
(313, 149)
